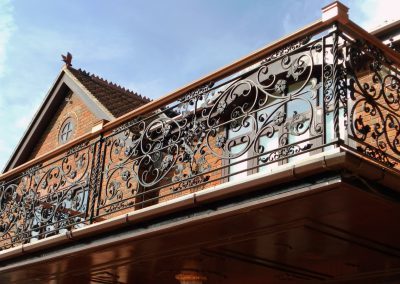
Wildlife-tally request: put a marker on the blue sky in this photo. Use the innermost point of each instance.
(152, 47)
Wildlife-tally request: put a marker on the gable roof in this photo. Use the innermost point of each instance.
(116, 99)
(104, 99)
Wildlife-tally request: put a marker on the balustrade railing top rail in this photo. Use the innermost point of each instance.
(324, 88)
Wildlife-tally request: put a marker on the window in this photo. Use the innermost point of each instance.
(67, 131)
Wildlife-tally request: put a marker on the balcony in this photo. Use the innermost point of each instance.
(325, 99)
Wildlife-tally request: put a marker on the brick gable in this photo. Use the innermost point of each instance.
(92, 99)
(73, 107)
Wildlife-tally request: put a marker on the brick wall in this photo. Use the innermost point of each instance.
(72, 107)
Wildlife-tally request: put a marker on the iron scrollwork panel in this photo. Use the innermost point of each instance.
(374, 91)
(46, 199)
(282, 107)
(184, 145)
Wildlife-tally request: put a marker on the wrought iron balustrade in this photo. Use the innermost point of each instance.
(325, 90)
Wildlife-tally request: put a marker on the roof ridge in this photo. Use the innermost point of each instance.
(111, 84)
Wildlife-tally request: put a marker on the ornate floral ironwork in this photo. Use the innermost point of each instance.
(183, 151)
(77, 148)
(126, 125)
(285, 152)
(374, 89)
(31, 171)
(195, 93)
(45, 200)
(377, 155)
(268, 113)
(287, 49)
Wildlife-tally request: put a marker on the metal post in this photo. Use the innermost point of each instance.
(95, 179)
(336, 82)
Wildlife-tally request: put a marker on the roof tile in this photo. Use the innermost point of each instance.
(116, 99)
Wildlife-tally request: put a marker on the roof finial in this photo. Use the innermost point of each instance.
(67, 59)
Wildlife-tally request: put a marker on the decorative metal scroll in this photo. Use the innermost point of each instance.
(45, 200)
(181, 147)
(374, 91)
(299, 100)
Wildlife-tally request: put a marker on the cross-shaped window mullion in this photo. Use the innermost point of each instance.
(66, 132)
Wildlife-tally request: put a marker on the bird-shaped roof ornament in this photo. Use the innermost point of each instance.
(67, 59)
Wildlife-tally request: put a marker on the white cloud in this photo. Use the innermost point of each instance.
(375, 13)
(7, 27)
